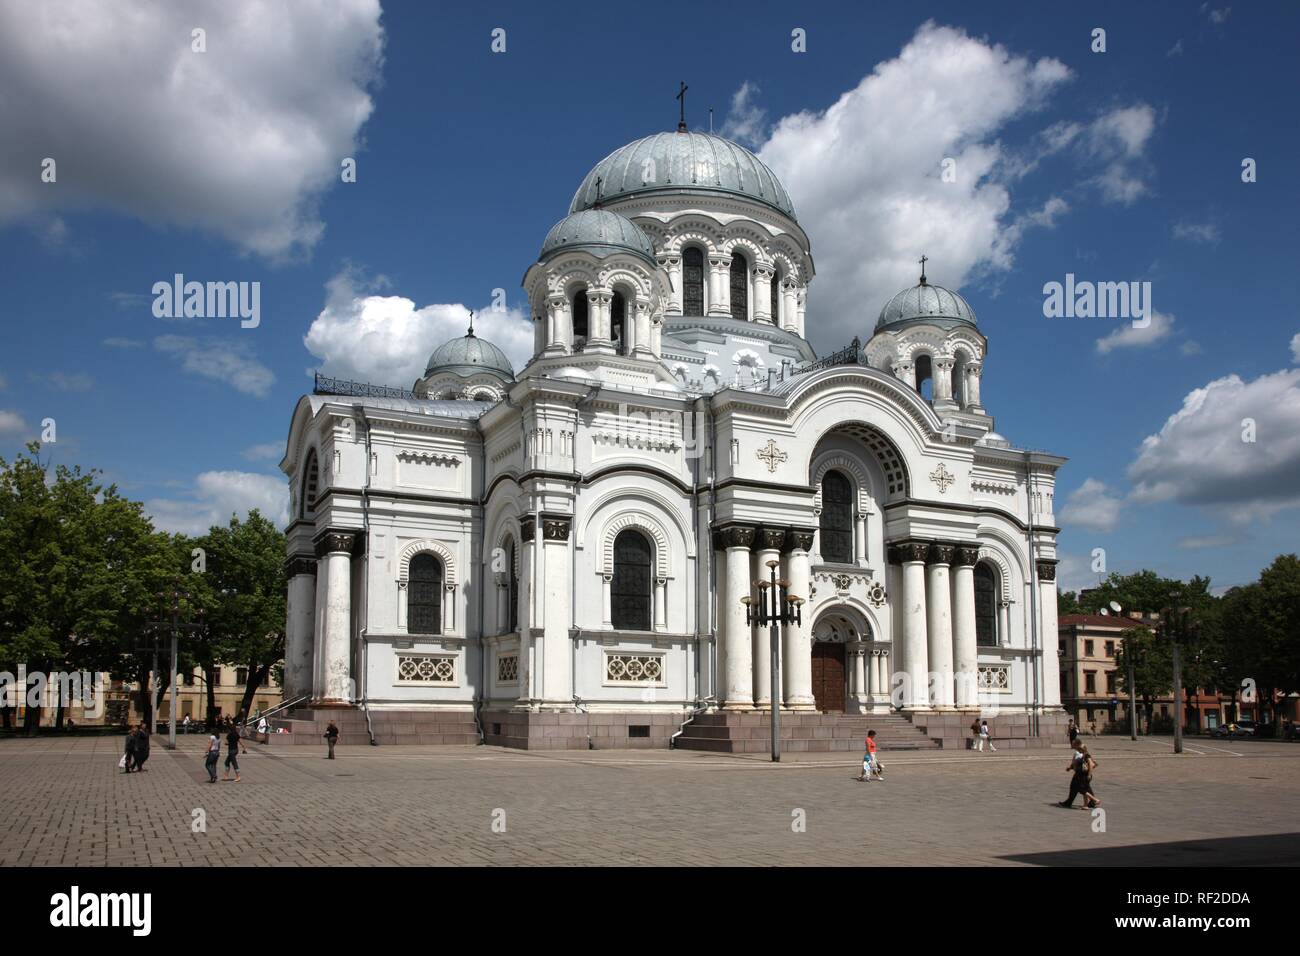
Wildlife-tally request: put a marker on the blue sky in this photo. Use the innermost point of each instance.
(223, 165)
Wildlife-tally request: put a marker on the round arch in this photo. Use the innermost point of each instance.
(647, 525)
(427, 546)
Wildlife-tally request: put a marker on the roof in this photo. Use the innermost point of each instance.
(469, 355)
(1099, 620)
(599, 232)
(682, 161)
(929, 303)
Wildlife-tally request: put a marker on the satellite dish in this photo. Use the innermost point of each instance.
(1114, 606)
(1105, 613)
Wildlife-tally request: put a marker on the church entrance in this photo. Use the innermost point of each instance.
(828, 676)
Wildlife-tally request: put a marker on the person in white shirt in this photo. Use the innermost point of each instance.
(984, 737)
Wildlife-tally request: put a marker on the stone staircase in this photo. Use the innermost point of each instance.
(738, 733)
(305, 726)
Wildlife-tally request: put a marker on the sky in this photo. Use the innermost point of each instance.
(1012, 143)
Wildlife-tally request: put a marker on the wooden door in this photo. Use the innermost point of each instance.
(828, 675)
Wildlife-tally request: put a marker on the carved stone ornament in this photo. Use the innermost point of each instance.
(737, 536)
(300, 564)
(771, 539)
(941, 553)
(909, 551)
(876, 595)
(942, 477)
(1047, 570)
(555, 529)
(334, 542)
(967, 557)
(800, 539)
(527, 528)
(772, 455)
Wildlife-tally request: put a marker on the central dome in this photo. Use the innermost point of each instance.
(682, 162)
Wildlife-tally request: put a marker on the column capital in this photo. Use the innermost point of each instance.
(967, 555)
(736, 536)
(907, 552)
(336, 542)
(527, 527)
(799, 539)
(555, 527)
(300, 564)
(941, 552)
(771, 539)
(1047, 569)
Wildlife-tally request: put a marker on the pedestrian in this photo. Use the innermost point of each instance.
(1071, 732)
(213, 755)
(1081, 765)
(974, 733)
(261, 728)
(985, 738)
(72, 725)
(234, 744)
(129, 756)
(141, 747)
(1092, 728)
(870, 765)
(185, 724)
(331, 737)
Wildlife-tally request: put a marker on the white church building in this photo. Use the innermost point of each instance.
(556, 556)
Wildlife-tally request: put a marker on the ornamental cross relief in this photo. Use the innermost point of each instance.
(941, 478)
(772, 455)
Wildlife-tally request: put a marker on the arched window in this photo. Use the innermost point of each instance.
(958, 378)
(483, 396)
(776, 298)
(739, 287)
(692, 282)
(310, 484)
(925, 377)
(424, 596)
(837, 518)
(630, 589)
(580, 318)
(986, 606)
(618, 322)
(512, 589)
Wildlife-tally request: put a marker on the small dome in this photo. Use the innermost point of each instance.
(929, 303)
(682, 162)
(467, 356)
(599, 232)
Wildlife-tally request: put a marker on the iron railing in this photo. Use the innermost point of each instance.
(849, 355)
(324, 385)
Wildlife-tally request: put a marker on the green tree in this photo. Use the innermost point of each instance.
(1153, 666)
(247, 616)
(1067, 602)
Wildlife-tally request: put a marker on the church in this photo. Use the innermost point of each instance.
(558, 556)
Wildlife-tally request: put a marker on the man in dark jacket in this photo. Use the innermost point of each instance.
(131, 744)
(141, 747)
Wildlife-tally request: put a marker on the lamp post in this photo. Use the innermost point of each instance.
(771, 606)
(1132, 685)
(1177, 626)
(170, 601)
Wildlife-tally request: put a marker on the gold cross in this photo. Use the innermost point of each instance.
(772, 455)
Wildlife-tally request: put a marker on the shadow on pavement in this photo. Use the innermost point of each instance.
(1274, 849)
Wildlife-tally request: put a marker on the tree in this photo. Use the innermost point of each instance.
(1259, 632)
(1067, 602)
(245, 562)
(1153, 665)
(1147, 592)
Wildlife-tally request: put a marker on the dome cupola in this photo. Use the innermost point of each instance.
(599, 232)
(469, 355)
(924, 302)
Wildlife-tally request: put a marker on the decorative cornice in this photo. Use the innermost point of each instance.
(941, 553)
(336, 542)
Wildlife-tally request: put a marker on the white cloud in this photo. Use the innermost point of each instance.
(386, 340)
(1115, 141)
(1176, 49)
(1217, 16)
(1198, 542)
(215, 496)
(228, 362)
(120, 343)
(746, 120)
(1202, 232)
(12, 423)
(1295, 348)
(1159, 327)
(1199, 457)
(240, 140)
(1092, 506)
(67, 381)
(865, 173)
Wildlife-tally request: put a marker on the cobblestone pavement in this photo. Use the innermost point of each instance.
(63, 802)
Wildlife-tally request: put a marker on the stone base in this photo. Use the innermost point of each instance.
(800, 733)
(1007, 731)
(600, 731)
(305, 726)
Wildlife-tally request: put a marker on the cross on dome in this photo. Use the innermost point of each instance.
(681, 95)
(924, 260)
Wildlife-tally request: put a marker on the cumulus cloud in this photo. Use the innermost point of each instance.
(12, 423)
(866, 173)
(1295, 348)
(230, 362)
(1234, 446)
(240, 140)
(215, 496)
(746, 120)
(1092, 506)
(1115, 141)
(1159, 327)
(1199, 542)
(386, 339)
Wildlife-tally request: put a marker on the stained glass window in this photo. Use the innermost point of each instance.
(986, 606)
(424, 597)
(630, 589)
(837, 518)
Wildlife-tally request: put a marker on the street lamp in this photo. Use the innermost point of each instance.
(1177, 625)
(170, 601)
(771, 606)
(1132, 686)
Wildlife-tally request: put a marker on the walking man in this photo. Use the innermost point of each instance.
(141, 747)
(985, 738)
(1080, 767)
(214, 754)
(974, 734)
(233, 745)
(331, 737)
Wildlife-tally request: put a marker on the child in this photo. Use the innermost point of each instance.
(869, 763)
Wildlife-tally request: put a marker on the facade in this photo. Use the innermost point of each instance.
(563, 549)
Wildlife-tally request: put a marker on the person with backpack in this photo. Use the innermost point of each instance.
(1081, 765)
(234, 744)
(331, 737)
(213, 755)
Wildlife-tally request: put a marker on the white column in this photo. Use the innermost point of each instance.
(875, 682)
(796, 654)
(965, 657)
(915, 663)
(661, 604)
(299, 627)
(767, 548)
(738, 676)
(1051, 669)
(449, 609)
(527, 613)
(763, 295)
(860, 537)
(789, 306)
(719, 286)
(673, 265)
(973, 372)
(606, 600)
(942, 372)
(860, 685)
(801, 300)
(906, 372)
(556, 686)
(938, 594)
(1004, 623)
(335, 685)
(641, 344)
(558, 339)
